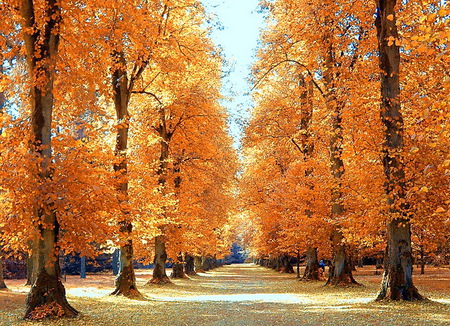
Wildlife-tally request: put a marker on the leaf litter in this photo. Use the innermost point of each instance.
(243, 294)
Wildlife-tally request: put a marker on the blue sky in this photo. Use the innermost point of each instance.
(238, 36)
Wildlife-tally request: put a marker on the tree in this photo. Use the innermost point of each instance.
(47, 295)
(397, 283)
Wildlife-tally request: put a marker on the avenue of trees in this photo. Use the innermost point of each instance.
(112, 135)
(347, 150)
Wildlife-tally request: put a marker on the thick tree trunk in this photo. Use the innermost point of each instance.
(398, 265)
(340, 272)
(397, 283)
(206, 262)
(198, 262)
(125, 283)
(189, 267)
(159, 271)
(286, 266)
(273, 263)
(178, 268)
(47, 296)
(2, 281)
(312, 266)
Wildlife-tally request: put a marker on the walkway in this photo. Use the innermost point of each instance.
(231, 295)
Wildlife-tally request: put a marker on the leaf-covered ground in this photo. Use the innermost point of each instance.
(241, 295)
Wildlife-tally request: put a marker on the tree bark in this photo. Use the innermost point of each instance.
(83, 267)
(189, 268)
(178, 268)
(340, 271)
(125, 283)
(198, 262)
(115, 262)
(272, 263)
(47, 296)
(286, 266)
(360, 262)
(31, 276)
(312, 266)
(422, 261)
(397, 283)
(159, 271)
(206, 262)
(398, 265)
(378, 266)
(2, 281)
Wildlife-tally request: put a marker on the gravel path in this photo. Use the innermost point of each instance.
(231, 295)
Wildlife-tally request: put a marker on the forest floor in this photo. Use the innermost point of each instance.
(243, 294)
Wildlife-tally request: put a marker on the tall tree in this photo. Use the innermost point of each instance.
(2, 105)
(122, 86)
(340, 270)
(41, 33)
(397, 283)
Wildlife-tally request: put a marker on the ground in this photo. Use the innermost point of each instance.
(241, 295)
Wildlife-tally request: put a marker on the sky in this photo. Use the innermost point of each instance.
(236, 29)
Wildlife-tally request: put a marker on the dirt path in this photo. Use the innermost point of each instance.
(233, 295)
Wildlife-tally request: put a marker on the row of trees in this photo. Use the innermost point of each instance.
(347, 149)
(111, 135)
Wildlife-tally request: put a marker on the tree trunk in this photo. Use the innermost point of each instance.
(298, 264)
(125, 282)
(422, 261)
(206, 262)
(115, 262)
(286, 266)
(272, 263)
(31, 276)
(47, 296)
(159, 271)
(312, 266)
(189, 267)
(360, 263)
(340, 271)
(397, 283)
(2, 104)
(83, 267)
(398, 265)
(378, 266)
(178, 268)
(2, 281)
(198, 264)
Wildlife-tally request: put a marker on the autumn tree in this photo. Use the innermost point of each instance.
(41, 42)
